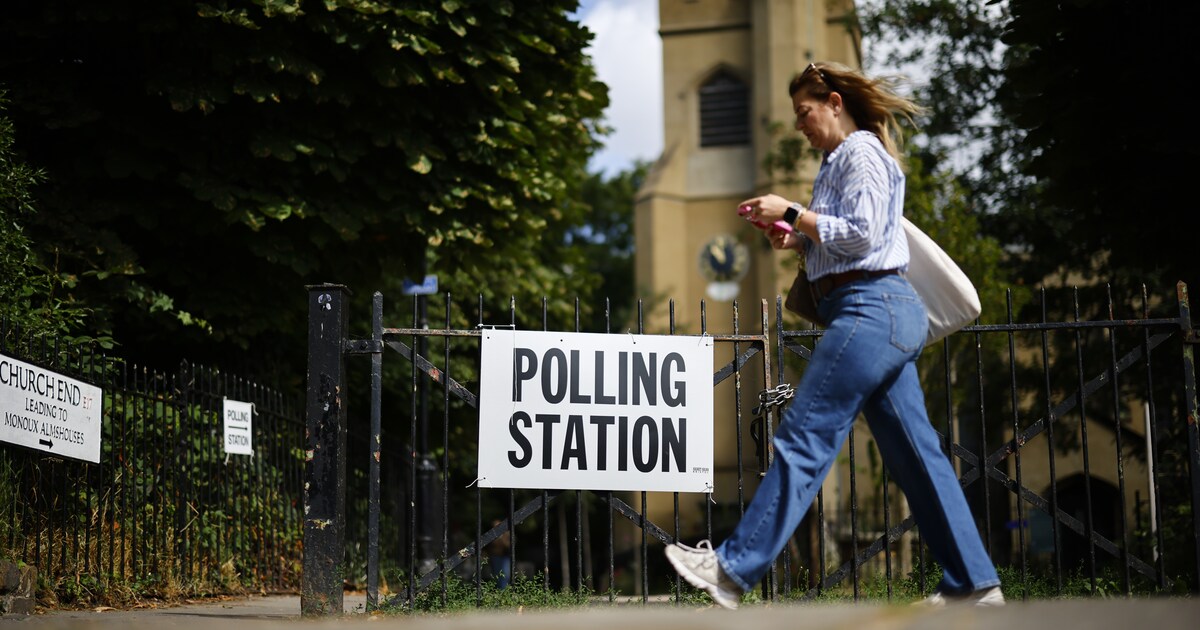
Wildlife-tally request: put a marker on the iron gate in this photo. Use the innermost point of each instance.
(996, 461)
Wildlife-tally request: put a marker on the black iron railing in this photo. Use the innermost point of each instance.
(1057, 429)
(165, 509)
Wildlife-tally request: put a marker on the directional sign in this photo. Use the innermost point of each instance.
(428, 287)
(239, 422)
(47, 411)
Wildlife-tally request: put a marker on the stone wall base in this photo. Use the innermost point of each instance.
(16, 588)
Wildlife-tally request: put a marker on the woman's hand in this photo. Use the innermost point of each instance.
(781, 239)
(766, 209)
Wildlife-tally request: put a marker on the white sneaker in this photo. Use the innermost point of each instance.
(987, 597)
(698, 565)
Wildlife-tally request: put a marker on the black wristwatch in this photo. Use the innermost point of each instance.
(793, 214)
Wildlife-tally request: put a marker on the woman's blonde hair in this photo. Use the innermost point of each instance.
(872, 102)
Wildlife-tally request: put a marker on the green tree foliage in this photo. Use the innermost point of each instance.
(207, 160)
(1108, 175)
(1034, 98)
(1041, 102)
(952, 51)
(606, 238)
(35, 301)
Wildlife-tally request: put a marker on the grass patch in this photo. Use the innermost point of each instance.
(523, 592)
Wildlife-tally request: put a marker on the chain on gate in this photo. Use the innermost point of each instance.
(767, 399)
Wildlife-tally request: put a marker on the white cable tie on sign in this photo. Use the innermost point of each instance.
(495, 326)
(477, 479)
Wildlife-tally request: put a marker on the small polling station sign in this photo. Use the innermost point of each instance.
(239, 425)
(596, 411)
(49, 412)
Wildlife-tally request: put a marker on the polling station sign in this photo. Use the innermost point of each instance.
(49, 412)
(596, 412)
(238, 419)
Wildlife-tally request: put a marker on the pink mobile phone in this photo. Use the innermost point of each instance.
(778, 225)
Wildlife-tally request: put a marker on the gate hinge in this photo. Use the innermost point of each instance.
(363, 346)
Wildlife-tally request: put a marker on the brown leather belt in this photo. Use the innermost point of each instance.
(825, 285)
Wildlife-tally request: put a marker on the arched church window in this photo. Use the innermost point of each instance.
(724, 111)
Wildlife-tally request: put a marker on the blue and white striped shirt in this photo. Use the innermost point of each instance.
(859, 198)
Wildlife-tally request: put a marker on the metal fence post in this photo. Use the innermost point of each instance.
(325, 453)
(1193, 431)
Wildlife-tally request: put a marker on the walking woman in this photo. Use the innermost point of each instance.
(856, 259)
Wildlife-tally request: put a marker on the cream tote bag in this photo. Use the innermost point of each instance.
(950, 298)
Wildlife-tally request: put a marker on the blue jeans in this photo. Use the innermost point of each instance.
(865, 362)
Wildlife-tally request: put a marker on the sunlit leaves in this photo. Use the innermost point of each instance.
(237, 17)
(294, 142)
(509, 62)
(421, 164)
(520, 132)
(533, 41)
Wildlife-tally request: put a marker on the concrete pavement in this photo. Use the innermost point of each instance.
(280, 612)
